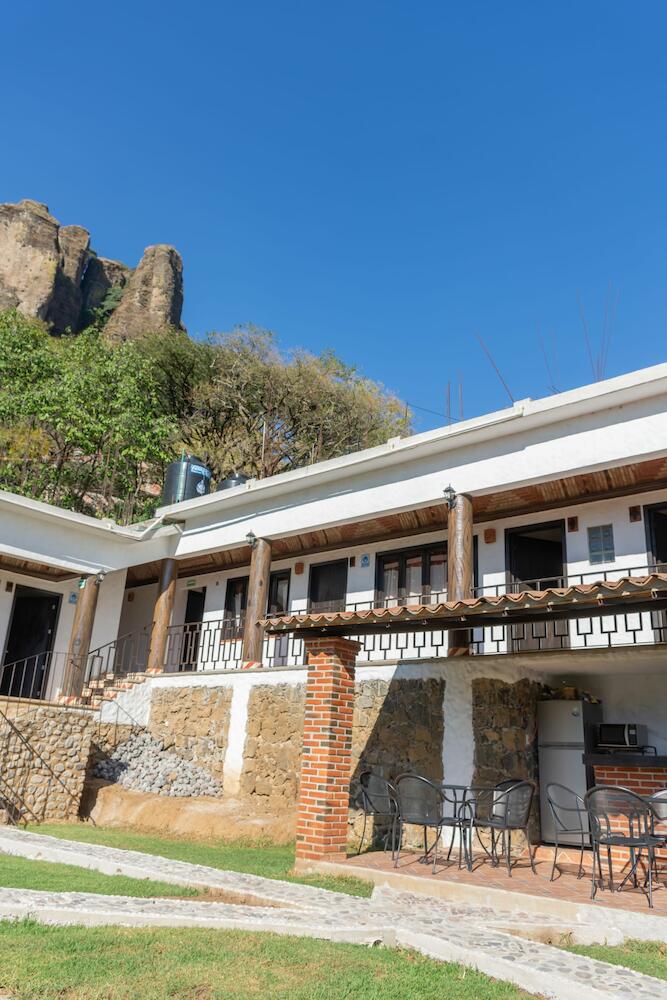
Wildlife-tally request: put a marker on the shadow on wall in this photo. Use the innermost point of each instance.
(398, 727)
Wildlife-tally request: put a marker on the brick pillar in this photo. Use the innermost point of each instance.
(321, 832)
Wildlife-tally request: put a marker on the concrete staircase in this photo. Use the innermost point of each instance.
(104, 688)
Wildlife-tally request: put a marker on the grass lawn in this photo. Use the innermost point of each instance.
(20, 873)
(649, 957)
(111, 963)
(268, 860)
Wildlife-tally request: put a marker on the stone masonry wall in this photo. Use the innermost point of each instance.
(272, 752)
(44, 768)
(504, 721)
(193, 722)
(398, 726)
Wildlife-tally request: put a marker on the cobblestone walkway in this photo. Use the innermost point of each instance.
(477, 936)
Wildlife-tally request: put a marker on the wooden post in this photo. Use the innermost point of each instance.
(79, 642)
(164, 605)
(258, 596)
(459, 566)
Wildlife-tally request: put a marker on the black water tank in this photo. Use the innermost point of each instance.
(186, 480)
(238, 479)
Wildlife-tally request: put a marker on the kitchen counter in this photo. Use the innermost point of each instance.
(625, 759)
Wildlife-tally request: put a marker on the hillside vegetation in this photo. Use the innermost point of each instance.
(90, 424)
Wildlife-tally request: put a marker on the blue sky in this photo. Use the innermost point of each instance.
(386, 179)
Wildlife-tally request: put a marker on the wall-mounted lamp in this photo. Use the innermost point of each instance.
(251, 539)
(450, 496)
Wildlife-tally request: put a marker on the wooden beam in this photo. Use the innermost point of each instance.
(258, 596)
(459, 565)
(164, 605)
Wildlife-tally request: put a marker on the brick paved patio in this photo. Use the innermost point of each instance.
(566, 885)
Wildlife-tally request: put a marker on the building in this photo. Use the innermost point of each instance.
(529, 545)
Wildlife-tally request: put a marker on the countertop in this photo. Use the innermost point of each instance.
(629, 759)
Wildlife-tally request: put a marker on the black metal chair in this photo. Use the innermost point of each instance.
(378, 798)
(570, 817)
(621, 818)
(502, 810)
(423, 803)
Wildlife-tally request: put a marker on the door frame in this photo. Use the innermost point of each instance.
(517, 530)
(649, 530)
(56, 621)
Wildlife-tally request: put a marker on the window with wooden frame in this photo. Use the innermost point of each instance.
(279, 593)
(236, 598)
(410, 575)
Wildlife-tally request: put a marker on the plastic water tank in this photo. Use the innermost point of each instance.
(185, 480)
(238, 479)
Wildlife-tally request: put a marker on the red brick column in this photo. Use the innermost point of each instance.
(321, 832)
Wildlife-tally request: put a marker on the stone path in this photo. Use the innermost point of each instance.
(477, 936)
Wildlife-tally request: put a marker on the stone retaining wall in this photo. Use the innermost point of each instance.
(44, 768)
(272, 751)
(193, 722)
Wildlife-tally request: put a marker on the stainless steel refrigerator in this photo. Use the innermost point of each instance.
(565, 731)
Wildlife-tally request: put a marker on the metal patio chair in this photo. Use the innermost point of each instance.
(378, 798)
(424, 803)
(570, 817)
(502, 809)
(620, 818)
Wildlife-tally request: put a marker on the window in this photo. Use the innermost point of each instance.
(408, 576)
(279, 593)
(601, 544)
(328, 586)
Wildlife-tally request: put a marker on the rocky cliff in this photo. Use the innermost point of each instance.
(51, 272)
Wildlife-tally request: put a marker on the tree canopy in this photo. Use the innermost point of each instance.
(90, 425)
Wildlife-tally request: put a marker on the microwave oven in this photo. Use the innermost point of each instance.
(617, 735)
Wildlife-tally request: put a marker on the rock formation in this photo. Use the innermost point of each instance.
(153, 298)
(101, 276)
(50, 271)
(29, 257)
(65, 306)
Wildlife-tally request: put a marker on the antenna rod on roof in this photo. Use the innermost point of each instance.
(495, 367)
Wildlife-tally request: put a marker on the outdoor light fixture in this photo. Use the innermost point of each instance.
(251, 539)
(450, 495)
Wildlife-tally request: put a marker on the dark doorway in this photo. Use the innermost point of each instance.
(536, 561)
(29, 643)
(236, 597)
(279, 592)
(536, 556)
(194, 615)
(327, 588)
(656, 537)
(655, 519)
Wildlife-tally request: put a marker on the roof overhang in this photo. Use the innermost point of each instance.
(629, 595)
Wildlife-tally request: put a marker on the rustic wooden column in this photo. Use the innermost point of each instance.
(164, 605)
(324, 790)
(459, 565)
(258, 596)
(79, 642)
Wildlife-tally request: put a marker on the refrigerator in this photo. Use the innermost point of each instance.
(565, 731)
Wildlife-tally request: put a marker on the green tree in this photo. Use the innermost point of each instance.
(262, 412)
(82, 424)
